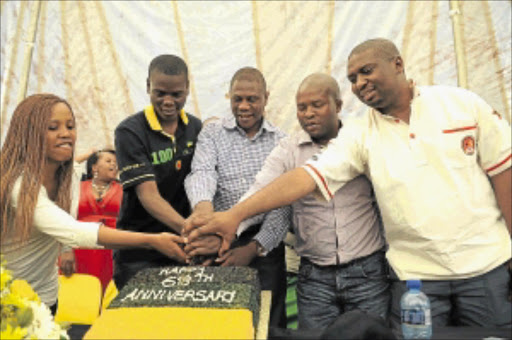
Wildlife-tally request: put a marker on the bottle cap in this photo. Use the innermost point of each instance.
(413, 284)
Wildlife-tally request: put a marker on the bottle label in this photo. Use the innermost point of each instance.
(416, 317)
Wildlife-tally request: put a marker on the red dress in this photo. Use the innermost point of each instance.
(98, 262)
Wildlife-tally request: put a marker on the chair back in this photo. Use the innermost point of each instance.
(109, 295)
(79, 299)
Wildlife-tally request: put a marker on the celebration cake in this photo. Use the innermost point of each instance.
(184, 303)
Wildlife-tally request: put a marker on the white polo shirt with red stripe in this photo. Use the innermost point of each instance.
(440, 214)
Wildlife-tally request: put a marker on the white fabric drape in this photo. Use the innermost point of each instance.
(96, 53)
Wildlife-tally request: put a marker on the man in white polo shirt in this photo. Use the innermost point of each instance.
(439, 159)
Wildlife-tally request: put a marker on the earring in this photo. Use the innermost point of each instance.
(95, 175)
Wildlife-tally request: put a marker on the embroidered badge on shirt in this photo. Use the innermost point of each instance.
(468, 145)
(178, 165)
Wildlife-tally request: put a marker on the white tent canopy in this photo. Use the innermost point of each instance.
(96, 53)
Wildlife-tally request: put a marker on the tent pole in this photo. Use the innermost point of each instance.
(29, 48)
(455, 15)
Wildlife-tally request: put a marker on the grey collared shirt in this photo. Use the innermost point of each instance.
(328, 233)
(225, 163)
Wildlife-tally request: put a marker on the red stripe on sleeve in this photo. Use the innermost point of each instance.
(321, 178)
(499, 164)
(464, 128)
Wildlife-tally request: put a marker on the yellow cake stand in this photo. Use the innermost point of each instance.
(181, 323)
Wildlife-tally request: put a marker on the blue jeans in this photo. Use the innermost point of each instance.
(325, 292)
(478, 301)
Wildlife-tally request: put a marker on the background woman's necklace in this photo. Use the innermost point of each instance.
(100, 190)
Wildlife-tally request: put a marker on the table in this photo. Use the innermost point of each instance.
(77, 332)
(440, 333)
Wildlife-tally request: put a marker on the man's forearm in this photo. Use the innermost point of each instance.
(165, 213)
(274, 228)
(285, 190)
(156, 206)
(502, 185)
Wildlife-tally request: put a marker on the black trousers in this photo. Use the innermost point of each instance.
(272, 273)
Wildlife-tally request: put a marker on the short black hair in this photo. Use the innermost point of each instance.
(324, 80)
(168, 64)
(384, 48)
(93, 159)
(249, 73)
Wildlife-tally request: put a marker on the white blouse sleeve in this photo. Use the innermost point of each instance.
(52, 220)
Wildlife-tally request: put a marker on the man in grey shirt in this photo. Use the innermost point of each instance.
(340, 242)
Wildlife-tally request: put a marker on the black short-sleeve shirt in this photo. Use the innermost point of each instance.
(146, 153)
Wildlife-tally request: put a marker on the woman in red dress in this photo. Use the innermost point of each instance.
(100, 199)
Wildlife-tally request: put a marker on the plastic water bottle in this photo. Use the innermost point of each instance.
(415, 310)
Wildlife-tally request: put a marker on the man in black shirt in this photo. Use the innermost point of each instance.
(154, 150)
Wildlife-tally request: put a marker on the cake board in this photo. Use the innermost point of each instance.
(114, 324)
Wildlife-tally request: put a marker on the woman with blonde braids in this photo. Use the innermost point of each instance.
(37, 194)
